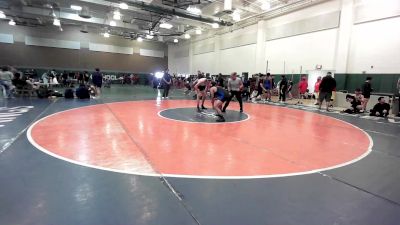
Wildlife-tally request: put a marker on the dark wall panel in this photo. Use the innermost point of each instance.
(20, 55)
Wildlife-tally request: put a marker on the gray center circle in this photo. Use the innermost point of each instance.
(205, 116)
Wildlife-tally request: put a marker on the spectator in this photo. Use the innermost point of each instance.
(166, 82)
(267, 87)
(86, 77)
(316, 89)
(5, 81)
(283, 86)
(82, 92)
(220, 80)
(97, 79)
(303, 85)
(359, 97)
(328, 84)
(289, 91)
(355, 104)
(381, 108)
(366, 91)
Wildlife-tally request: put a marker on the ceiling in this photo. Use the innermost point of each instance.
(141, 17)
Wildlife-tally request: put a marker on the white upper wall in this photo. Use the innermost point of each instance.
(375, 47)
(301, 52)
(348, 36)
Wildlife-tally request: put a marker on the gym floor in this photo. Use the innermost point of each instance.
(132, 158)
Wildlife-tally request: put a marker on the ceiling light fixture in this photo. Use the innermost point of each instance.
(187, 36)
(123, 5)
(176, 40)
(148, 36)
(113, 23)
(56, 22)
(106, 35)
(265, 6)
(166, 25)
(215, 25)
(116, 15)
(76, 7)
(236, 16)
(139, 39)
(12, 23)
(194, 10)
(198, 31)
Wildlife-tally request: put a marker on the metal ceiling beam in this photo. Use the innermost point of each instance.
(76, 17)
(165, 10)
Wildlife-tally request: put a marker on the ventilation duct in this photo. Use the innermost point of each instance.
(228, 6)
(85, 13)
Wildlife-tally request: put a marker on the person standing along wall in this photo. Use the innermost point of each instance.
(328, 84)
(316, 89)
(5, 81)
(303, 85)
(166, 83)
(283, 85)
(97, 80)
(366, 91)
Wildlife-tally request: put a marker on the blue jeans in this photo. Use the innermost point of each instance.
(6, 88)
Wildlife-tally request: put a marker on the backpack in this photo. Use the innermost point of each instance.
(69, 93)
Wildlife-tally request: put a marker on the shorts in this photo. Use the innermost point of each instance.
(325, 95)
(222, 98)
(366, 95)
(202, 88)
(97, 85)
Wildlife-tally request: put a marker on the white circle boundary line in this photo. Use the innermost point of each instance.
(39, 147)
(184, 121)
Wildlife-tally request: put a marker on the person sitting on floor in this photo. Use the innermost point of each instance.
(355, 105)
(381, 108)
(82, 92)
(359, 97)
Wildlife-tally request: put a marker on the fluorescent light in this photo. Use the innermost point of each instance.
(2, 15)
(123, 5)
(113, 23)
(265, 6)
(148, 36)
(117, 15)
(176, 40)
(194, 10)
(56, 22)
(76, 7)
(215, 25)
(12, 23)
(159, 75)
(166, 25)
(187, 36)
(139, 39)
(106, 35)
(236, 16)
(198, 31)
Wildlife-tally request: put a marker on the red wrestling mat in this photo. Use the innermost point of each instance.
(131, 137)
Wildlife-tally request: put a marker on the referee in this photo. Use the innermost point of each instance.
(235, 87)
